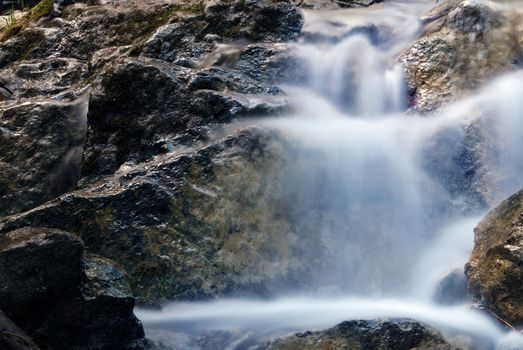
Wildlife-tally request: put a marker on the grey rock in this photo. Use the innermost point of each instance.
(388, 334)
(40, 147)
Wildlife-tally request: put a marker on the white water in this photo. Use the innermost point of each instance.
(402, 229)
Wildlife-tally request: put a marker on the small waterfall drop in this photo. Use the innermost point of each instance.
(385, 173)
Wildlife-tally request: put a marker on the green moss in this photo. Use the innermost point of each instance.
(196, 9)
(142, 24)
(42, 9)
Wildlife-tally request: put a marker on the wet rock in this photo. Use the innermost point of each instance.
(38, 265)
(26, 44)
(392, 334)
(459, 159)
(254, 20)
(100, 317)
(465, 45)
(60, 299)
(127, 122)
(194, 225)
(195, 33)
(40, 147)
(12, 337)
(46, 77)
(452, 288)
(270, 63)
(495, 267)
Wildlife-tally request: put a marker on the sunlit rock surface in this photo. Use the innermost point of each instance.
(495, 269)
(466, 43)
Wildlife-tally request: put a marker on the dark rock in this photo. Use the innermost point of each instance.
(61, 300)
(12, 337)
(194, 32)
(459, 158)
(40, 147)
(495, 269)
(253, 20)
(38, 265)
(137, 105)
(46, 77)
(100, 317)
(393, 334)
(452, 288)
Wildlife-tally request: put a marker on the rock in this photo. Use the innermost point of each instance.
(45, 77)
(127, 123)
(198, 224)
(61, 299)
(270, 63)
(495, 270)
(12, 337)
(40, 147)
(459, 159)
(254, 20)
(101, 317)
(391, 334)
(465, 45)
(38, 265)
(452, 288)
(196, 32)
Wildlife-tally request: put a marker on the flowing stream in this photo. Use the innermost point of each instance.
(387, 172)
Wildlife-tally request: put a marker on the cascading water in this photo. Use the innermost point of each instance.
(402, 228)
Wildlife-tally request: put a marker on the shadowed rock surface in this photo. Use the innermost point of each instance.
(40, 152)
(61, 300)
(12, 337)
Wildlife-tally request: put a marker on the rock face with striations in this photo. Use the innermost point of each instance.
(495, 269)
(393, 334)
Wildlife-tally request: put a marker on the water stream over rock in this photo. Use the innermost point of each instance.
(390, 176)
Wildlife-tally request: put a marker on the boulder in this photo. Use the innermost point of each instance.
(100, 316)
(452, 288)
(388, 334)
(62, 300)
(197, 31)
(465, 44)
(141, 108)
(38, 265)
(495, 269)
(198, 224)
(12, 337)
(40, 147)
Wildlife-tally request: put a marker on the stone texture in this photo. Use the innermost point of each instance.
(495, 269)
(393, 334)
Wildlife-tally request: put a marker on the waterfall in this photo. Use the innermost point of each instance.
(386, 173)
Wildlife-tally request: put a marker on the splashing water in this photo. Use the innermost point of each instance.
(389, 176)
